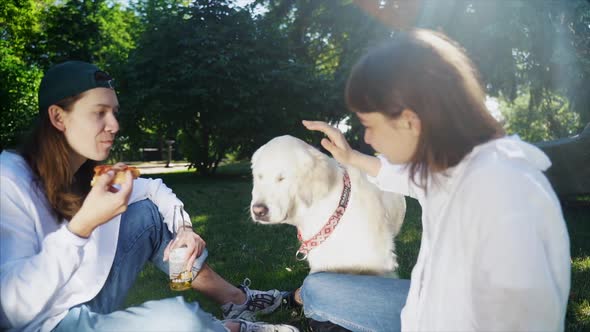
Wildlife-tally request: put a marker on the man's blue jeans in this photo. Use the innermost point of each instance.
(355, 302)
(142, 237)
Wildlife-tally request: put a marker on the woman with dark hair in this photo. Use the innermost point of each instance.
(494, 253)
(70, 252)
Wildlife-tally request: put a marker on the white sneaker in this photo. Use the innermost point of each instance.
(246, 326)
(257, 302)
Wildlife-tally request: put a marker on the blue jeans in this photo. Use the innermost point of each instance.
(355, 302)
(142, 237)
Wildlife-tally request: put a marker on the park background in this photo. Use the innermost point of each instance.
(220, 78)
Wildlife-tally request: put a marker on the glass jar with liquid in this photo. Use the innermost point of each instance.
(180, 277)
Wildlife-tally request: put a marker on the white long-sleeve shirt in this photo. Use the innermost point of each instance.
(44, 268)
(494, 254)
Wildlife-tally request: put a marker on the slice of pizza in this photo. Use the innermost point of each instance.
(119, 177)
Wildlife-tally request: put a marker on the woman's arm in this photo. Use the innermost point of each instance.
(31, 273)
(337, 145)
(386, 176)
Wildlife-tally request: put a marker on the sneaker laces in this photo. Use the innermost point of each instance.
(256, 302)
(246, 326)
(246, 287)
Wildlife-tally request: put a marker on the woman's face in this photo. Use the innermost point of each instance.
(396, 139)
(91, 125)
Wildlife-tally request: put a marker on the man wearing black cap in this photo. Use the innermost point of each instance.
(70, 252)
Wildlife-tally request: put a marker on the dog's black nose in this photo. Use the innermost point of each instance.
(260, 210)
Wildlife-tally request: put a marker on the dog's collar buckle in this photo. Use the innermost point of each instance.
(300, 255)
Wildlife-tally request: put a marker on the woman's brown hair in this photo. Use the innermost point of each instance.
(426, 72)
(48, 154)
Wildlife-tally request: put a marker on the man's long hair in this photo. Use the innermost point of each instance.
(48, 155)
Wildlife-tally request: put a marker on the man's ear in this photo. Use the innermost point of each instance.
(412, 121)
(56, 116)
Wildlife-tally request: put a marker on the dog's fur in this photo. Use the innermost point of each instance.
(301, 186)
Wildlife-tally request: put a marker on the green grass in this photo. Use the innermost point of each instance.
(578, 221)
(239, 248)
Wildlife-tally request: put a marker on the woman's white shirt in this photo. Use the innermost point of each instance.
(494, 253)
(44, 268)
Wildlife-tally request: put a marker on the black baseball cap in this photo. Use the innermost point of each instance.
(68, 79)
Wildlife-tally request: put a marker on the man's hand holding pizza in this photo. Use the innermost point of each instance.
(104, 201)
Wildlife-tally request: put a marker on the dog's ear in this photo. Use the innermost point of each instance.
(255, 156)
(318, 177)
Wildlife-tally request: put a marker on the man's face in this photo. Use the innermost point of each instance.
(91, 125)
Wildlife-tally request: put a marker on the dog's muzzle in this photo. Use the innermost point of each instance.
(260, 212)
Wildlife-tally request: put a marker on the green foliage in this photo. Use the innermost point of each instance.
(96, 31)
(222, 79)
(19, 23)
(534, 48)
(72, 31)
(19, 80)
(204, 87)
(18, 96)
(330, 36)
(550, 120)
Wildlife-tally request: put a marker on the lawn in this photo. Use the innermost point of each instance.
(265, 254)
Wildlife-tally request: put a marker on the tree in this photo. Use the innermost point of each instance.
(330, 36)
(97, 31)
(550, 120)
(537, 49)
(224, 84)
(18, 86)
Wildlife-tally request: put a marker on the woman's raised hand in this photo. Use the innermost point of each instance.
(103, 203)
(336, 144)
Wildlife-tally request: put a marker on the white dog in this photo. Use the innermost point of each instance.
(343, 228)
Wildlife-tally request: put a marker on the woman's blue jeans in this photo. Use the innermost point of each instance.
(355, 302)
(142, 237)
